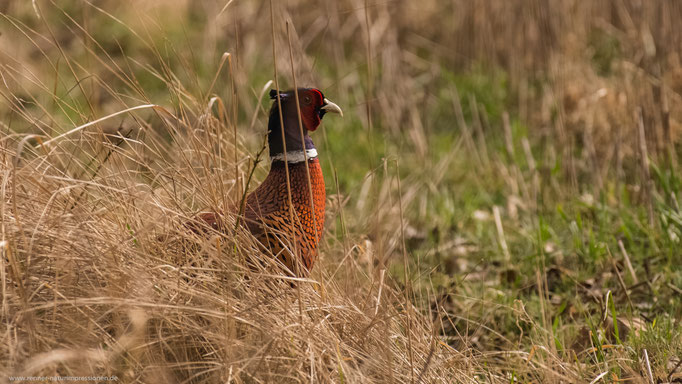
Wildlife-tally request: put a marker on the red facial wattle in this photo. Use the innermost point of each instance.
(311, 119)
(310, 110)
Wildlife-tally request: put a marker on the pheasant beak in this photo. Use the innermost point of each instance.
(331, 107)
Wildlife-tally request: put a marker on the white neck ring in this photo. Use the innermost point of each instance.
(296, 156)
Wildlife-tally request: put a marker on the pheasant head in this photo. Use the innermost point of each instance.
(312, 106)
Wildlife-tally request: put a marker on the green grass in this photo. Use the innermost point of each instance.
(571, 239)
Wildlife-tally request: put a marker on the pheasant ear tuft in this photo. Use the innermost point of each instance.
(273, 94)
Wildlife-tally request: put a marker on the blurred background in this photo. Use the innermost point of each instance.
(512, 166)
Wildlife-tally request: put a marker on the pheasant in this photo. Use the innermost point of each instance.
(266, 212)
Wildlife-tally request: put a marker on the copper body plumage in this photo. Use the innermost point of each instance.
(267, 214)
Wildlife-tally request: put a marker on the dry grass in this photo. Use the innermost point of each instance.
(90, 289)
(101, 277)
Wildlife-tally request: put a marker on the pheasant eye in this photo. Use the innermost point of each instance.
(307, 99)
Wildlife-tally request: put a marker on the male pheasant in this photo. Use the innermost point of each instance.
(266, 213)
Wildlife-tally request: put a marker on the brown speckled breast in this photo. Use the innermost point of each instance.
(268, 218)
